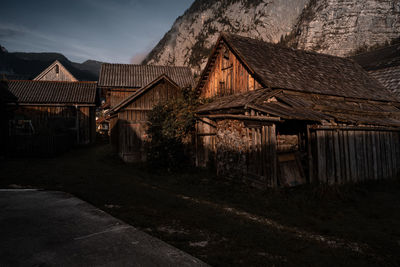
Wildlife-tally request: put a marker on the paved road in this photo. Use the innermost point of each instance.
(43, 228)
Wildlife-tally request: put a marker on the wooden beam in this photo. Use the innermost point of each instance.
(355, 128)
(242, 117)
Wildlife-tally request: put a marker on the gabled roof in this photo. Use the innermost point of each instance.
(140, 92)
(286, 104)
(274, 66)
(53, 92)
(53, 65)
(137, 76)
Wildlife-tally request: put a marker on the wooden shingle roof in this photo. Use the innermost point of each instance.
(275, 66)
(388, 77)
(384, 65)
(53, 92)
(137, 76)
(290, 105)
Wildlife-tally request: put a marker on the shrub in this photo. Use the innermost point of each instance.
(170, 128)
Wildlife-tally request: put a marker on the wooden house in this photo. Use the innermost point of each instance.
(6, 97)
(129, 117)
(280, 116)
(118, 81)
(47, 108)
(384, 65)
(56, 72)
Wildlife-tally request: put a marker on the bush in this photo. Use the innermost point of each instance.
(170, 128)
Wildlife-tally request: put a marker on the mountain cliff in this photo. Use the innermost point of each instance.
(334, 27)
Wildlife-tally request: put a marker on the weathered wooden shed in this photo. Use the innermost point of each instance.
(49, 107)
(281, 116)
(56, 72)
(118, 81)
(129, 117)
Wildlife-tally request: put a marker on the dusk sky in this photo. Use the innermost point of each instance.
(119, 31)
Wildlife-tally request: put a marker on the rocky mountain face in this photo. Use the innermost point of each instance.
(342, 28)
(336, 27)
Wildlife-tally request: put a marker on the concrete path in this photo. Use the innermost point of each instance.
(42, 228)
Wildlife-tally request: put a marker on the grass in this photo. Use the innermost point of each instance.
(224, 223)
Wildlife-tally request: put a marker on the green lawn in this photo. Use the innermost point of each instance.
(227, 224)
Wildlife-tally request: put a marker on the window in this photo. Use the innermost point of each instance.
(57, 69)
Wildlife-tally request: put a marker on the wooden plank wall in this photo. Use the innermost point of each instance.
(86, 126)
(345, 155)
(228, 76)
(40, 116)
(117, 95)
(113, 133)
(62, 75)
(205, 143)
(133, 118)
(131, 143)
(261, 155)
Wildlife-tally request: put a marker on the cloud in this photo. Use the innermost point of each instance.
(8, 33)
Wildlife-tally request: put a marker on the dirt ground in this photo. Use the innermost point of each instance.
(225, 223)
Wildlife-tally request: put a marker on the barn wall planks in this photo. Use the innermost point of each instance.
(56, 72)
(129, 136)
(354, 155)
(48, 118)
(205, 143)
(117, 95)
(228, 76)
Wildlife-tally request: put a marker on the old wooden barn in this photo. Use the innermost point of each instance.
(281, 116)
(118, 81)
(48, 110)
(129, 117)
(56, 72)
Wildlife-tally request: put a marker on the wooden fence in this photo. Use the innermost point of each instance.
(39, 145)
(352, 154)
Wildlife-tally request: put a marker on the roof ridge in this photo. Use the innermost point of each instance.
(40, 81)
(144, 65)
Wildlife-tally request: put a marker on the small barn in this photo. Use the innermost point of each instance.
(118, 81)
(282, 117)
(49, 110)
(56, 72)
(129, 117)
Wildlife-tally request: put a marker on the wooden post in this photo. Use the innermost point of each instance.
(310, 156)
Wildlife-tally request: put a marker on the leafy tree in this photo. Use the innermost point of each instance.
(170, 128)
